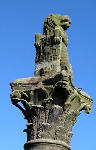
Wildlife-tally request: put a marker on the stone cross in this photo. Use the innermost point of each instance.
(51, 102)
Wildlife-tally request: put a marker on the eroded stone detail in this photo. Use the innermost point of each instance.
(51, 102)
(51, 47)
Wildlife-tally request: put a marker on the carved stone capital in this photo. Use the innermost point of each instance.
(50, 101)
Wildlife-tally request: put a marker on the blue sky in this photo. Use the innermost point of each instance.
(20, 20)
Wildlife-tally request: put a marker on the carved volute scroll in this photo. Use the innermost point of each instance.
(50, 99)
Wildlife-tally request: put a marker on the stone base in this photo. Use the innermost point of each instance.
(46, 144)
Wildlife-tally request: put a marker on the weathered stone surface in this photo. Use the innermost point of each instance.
(50, 99)
(51, 47)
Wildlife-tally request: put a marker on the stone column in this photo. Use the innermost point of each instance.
(51, 102)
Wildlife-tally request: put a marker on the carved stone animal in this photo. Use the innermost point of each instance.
(51, 47)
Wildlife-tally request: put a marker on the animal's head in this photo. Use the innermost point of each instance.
(57, 20)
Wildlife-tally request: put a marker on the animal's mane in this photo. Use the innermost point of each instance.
(51, 22)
